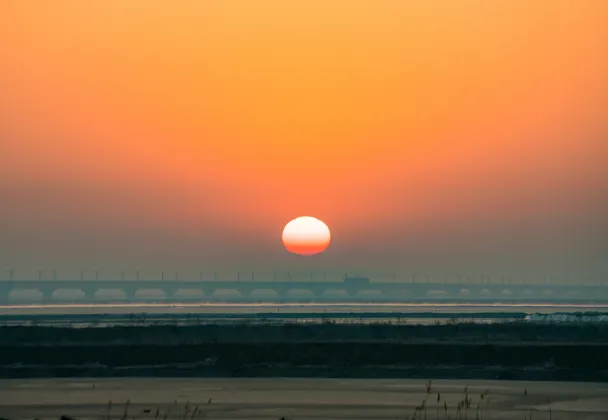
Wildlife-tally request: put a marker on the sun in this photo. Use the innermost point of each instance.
(306, 236)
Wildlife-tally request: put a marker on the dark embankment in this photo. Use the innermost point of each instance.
(505, 351)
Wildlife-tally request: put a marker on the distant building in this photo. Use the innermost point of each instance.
(356, 281)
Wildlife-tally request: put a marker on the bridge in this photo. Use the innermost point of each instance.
(350, 289)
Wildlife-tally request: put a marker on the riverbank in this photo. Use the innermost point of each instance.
(500, 351)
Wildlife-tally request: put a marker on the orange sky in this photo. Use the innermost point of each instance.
(409, 127)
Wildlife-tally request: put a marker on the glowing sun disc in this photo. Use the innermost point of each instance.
(306, 236)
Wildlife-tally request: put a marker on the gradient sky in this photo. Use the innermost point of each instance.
(429, 135)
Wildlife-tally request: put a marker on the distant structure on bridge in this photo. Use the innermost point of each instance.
(350, 289)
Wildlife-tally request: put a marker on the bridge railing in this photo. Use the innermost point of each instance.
(334, 275)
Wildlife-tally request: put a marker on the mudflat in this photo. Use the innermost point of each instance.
(189, 399)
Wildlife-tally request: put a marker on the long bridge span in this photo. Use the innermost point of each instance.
(349, 289)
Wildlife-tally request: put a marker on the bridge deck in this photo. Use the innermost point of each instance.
(171, 289)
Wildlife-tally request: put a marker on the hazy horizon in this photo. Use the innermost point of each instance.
(468, 137)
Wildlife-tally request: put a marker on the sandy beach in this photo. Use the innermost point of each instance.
(142, 399)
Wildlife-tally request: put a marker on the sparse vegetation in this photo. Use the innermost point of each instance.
(461, 411)
(503, 351)
(513, 332)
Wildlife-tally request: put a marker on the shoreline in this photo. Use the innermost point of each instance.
(199, 371)
(290, 398)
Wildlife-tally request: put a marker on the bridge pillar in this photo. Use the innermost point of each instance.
(5, 291)
(47, 293)
(281, 291)
(318, 291)
(246, 291)
(89, 293)
(208, 292)
(418, 291)
(594, 292)
(130, 294)
(170, 293)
